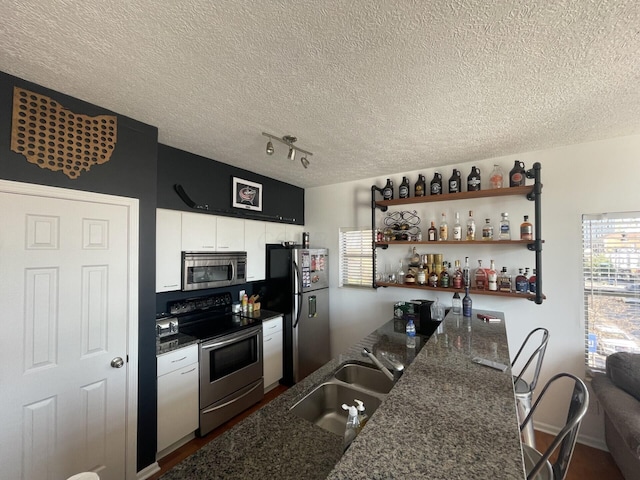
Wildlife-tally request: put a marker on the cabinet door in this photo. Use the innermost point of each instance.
(294, 233)
(275, 232)
(168, 248)
(254, 243)
(272, 352)
(230, 234)
(178, 405)
(198, 232)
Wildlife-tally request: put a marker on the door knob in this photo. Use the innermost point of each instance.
(117, 362)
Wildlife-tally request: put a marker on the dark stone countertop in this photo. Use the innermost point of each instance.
(447, 417)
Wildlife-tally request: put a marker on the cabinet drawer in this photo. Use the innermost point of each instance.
(271, 326)
(168, 362)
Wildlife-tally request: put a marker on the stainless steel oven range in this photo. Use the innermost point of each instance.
(230, 357)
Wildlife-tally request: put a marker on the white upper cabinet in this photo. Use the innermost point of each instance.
(294, 233)
(230, 235)
(198, 232)
(276, 232)
(254, 243)
(168, 247)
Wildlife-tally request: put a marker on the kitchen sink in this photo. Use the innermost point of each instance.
(364, 376)
(323, 406)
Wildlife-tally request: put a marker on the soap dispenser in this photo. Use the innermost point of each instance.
(362, 416)
(352, 427)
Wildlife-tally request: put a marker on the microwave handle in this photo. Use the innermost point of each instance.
(233, 271)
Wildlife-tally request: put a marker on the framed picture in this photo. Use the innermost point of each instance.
(246, 194)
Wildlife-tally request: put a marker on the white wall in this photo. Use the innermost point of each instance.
(587, 178)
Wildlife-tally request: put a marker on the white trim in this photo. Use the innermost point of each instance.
(148, 471)
(132, 204)
(587, 440)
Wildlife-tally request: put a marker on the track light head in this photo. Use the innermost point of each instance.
(270, 148)
(304, 162)
(292, 153)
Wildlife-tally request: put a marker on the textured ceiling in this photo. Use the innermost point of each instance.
(370, 87)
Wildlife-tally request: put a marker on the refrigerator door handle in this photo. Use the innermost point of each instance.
(298, 293)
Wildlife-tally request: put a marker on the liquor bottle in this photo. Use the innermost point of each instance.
(457, 228)
(419, 189)
(436, 184)
(504, 281)
(532, 282)
(458, 278)
(487, 230)
(505, 227)
(456, 304)
(497, 177)
(480, 277)
(526, 229)
(471, 227)
(473, 180)
(522, 282)
(432, 233)
(444, 228)
(465, 273)
(387, 191)
(492, 277)
(433, 277)
(400, 274)
(444, 279)
(517, 175)
(454, 182)
(403, 190)
(415, 258)
(466, 303)
(421, 276)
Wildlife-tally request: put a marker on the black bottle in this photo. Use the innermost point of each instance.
(418, 190)
(454, 182)
(436, 184)
(387, 191)
(517, 175)
(473, 180)
(403, 190)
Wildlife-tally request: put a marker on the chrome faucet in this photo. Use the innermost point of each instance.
(398, 367)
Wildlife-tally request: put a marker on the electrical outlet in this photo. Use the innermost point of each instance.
(241, 294)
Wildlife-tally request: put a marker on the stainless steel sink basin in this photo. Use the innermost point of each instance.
(364, 376)
(323, 406)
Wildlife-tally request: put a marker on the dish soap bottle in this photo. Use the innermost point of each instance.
(352, 427)
(362, 416)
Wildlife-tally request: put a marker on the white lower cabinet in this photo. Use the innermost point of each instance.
(272, 342)
(178, 402)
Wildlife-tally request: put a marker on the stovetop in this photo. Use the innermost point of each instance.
(212, 327)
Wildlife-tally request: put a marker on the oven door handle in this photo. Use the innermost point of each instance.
(230, 340)
(209, 410)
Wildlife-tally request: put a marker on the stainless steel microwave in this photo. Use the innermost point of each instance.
(212, 269)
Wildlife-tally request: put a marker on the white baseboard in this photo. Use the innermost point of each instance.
(584, 439)
(148, 471)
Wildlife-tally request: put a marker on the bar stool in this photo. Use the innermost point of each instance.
(523, 389)
(537, 465)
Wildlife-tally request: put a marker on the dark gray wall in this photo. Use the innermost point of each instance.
(131, 172)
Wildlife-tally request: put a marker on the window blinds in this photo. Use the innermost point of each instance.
(356, 257)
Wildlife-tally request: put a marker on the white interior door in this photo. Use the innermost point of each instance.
(64, 300)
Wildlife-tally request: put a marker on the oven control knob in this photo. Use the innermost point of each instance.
(117, 362)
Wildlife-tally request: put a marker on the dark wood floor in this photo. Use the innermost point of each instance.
(587, 463)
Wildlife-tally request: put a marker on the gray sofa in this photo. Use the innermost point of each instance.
(618, 391)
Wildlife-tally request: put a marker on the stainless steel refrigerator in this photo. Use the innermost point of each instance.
(297, 285)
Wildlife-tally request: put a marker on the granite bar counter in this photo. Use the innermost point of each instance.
(447, 417)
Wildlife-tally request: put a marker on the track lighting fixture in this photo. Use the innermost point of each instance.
(288, 140)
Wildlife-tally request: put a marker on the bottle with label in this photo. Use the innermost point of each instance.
(444, 228)
(487, 230)
(444, 279)
(419, 188)
(415, 258)
(411, 334)
(433, 277)
(432, 233)
(387, 191)
(517, 175)
(492, 277)
(436, 184)
(458, 279)
(466, 279)
(471, 227)
(457, 228)
(473, 180)
(504, 281)
(454, 182)
(480, 276)
(403, 190)
(505, 227)
(421, 276)
(497, 177)
(522, 282)
(532, 282)
(466, 303)
(456, 304)
(526, 229)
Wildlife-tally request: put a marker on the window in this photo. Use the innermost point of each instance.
(611, 272)
(356, 257)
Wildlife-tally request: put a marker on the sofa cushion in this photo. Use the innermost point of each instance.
(624, 371)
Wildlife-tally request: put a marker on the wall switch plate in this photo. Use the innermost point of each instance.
(241, 294)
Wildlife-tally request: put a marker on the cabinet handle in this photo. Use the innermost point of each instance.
(208, 246)
(178, 360)
(273, 326)
(168, 286)
(268, 339)
(188, 371)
